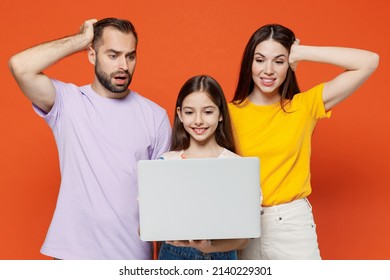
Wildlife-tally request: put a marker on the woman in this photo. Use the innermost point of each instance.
(274, 120)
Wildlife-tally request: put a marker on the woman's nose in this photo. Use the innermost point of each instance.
(269, 69)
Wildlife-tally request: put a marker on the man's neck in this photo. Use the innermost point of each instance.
(103, 92)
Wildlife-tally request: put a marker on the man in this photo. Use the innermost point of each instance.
(101, 131)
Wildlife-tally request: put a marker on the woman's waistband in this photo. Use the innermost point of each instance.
(287, 205)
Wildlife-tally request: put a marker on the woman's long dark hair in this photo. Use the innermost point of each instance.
(245, 84)
(224, 132)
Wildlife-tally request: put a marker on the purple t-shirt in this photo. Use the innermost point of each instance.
(99, 141)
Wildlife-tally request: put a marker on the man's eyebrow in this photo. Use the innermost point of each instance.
(132, 52)
(118, 52)
(112, 50)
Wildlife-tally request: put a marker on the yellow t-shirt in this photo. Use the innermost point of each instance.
(282, 141)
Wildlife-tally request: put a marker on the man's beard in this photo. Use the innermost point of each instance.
(105, 79)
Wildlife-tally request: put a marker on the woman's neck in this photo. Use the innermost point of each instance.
(258, 97)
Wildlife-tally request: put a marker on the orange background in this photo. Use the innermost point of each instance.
(179, 39)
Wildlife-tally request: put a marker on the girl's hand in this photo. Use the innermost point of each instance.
(202, 245)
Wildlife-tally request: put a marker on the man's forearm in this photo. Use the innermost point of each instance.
(36, 59)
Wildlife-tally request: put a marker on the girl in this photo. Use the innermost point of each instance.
(274, 120)
(201, 129)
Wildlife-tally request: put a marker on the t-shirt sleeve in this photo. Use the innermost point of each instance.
(163, 138)
(52, 116)
(313, 101)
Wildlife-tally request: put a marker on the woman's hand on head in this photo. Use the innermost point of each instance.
(292, 59)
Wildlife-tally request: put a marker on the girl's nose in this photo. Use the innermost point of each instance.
(198, 119)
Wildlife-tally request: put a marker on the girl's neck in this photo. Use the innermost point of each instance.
(197, 150)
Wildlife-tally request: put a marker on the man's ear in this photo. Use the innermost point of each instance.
(91, 55)
(178, 112)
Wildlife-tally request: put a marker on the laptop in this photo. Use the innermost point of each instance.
(195, 199)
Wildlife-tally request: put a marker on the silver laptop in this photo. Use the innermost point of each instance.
(194, 199)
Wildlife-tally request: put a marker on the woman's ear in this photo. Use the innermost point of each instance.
(178, 112)
(220, 118)
(91, 55)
